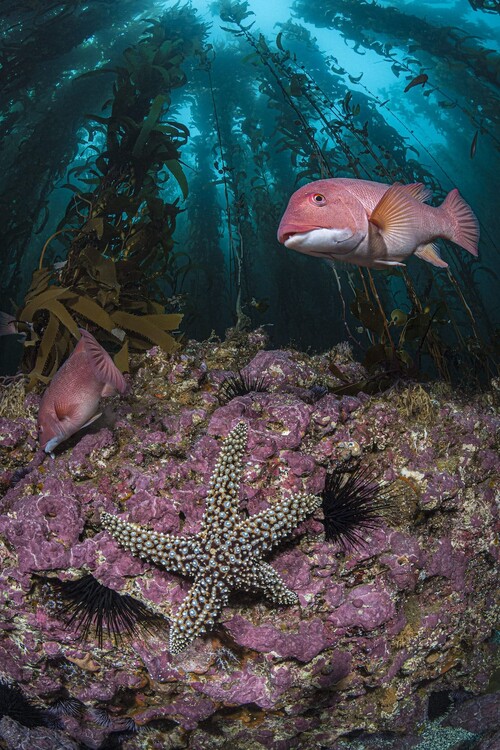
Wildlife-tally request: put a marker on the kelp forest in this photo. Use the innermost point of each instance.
(148, 152)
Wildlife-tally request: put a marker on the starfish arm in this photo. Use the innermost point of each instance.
(222, 498)
(265, 530)
(260, 576)
(173, 553)
(198, 612)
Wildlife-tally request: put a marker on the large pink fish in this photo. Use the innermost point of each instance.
(375, 225)
(72, 398)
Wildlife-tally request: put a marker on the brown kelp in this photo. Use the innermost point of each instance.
(288, 113)
(117, 230)
(42, 113)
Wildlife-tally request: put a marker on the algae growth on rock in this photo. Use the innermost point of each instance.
(369, 641)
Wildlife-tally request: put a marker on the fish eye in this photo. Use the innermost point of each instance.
(318, 199)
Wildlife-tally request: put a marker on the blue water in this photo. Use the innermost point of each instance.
(445, 133)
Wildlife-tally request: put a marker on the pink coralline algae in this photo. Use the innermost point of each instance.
(377, 630)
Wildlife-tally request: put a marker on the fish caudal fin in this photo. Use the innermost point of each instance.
(463, 227)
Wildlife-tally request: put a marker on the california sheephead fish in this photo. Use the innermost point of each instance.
(72, 398)
(374, 225)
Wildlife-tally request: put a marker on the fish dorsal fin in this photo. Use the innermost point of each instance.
(430, 253)
(418, 191)
(394, 217)
(105, 370)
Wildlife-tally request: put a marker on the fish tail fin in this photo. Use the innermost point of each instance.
(462, 224)
(7, 324)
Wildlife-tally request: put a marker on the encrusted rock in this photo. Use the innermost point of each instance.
(376, 630)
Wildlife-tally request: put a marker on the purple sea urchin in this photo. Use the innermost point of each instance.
(353, 502)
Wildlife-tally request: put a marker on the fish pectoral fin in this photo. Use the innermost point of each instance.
(430, 253)
(393, 215)
(65, 412)
(378, 247)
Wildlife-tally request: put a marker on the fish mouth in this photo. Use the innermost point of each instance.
(52, 443)
(289, 230)
(322, 242)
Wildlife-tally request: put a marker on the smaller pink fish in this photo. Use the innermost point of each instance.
(72, 398)
(375, 225)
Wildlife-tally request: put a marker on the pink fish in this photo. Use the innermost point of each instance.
(72, 398)
(375, 225)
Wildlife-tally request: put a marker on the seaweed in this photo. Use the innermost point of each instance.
(332, 134)
(288, 113)
(12, 395)
(118, 227)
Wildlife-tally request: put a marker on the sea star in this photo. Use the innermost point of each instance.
(226, 553)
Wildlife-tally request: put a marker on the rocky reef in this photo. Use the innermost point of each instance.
(383, 631)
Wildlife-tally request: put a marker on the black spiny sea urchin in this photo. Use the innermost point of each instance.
(240, 385)
(353, 502)
(15, 704)
(68, 707)
(89, 605)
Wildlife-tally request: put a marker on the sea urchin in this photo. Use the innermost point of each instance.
(240, 385)
(353, 502)
(89, 604)
(15, 704)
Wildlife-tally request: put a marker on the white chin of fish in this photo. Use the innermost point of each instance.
(319, 241)
(53, 444)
